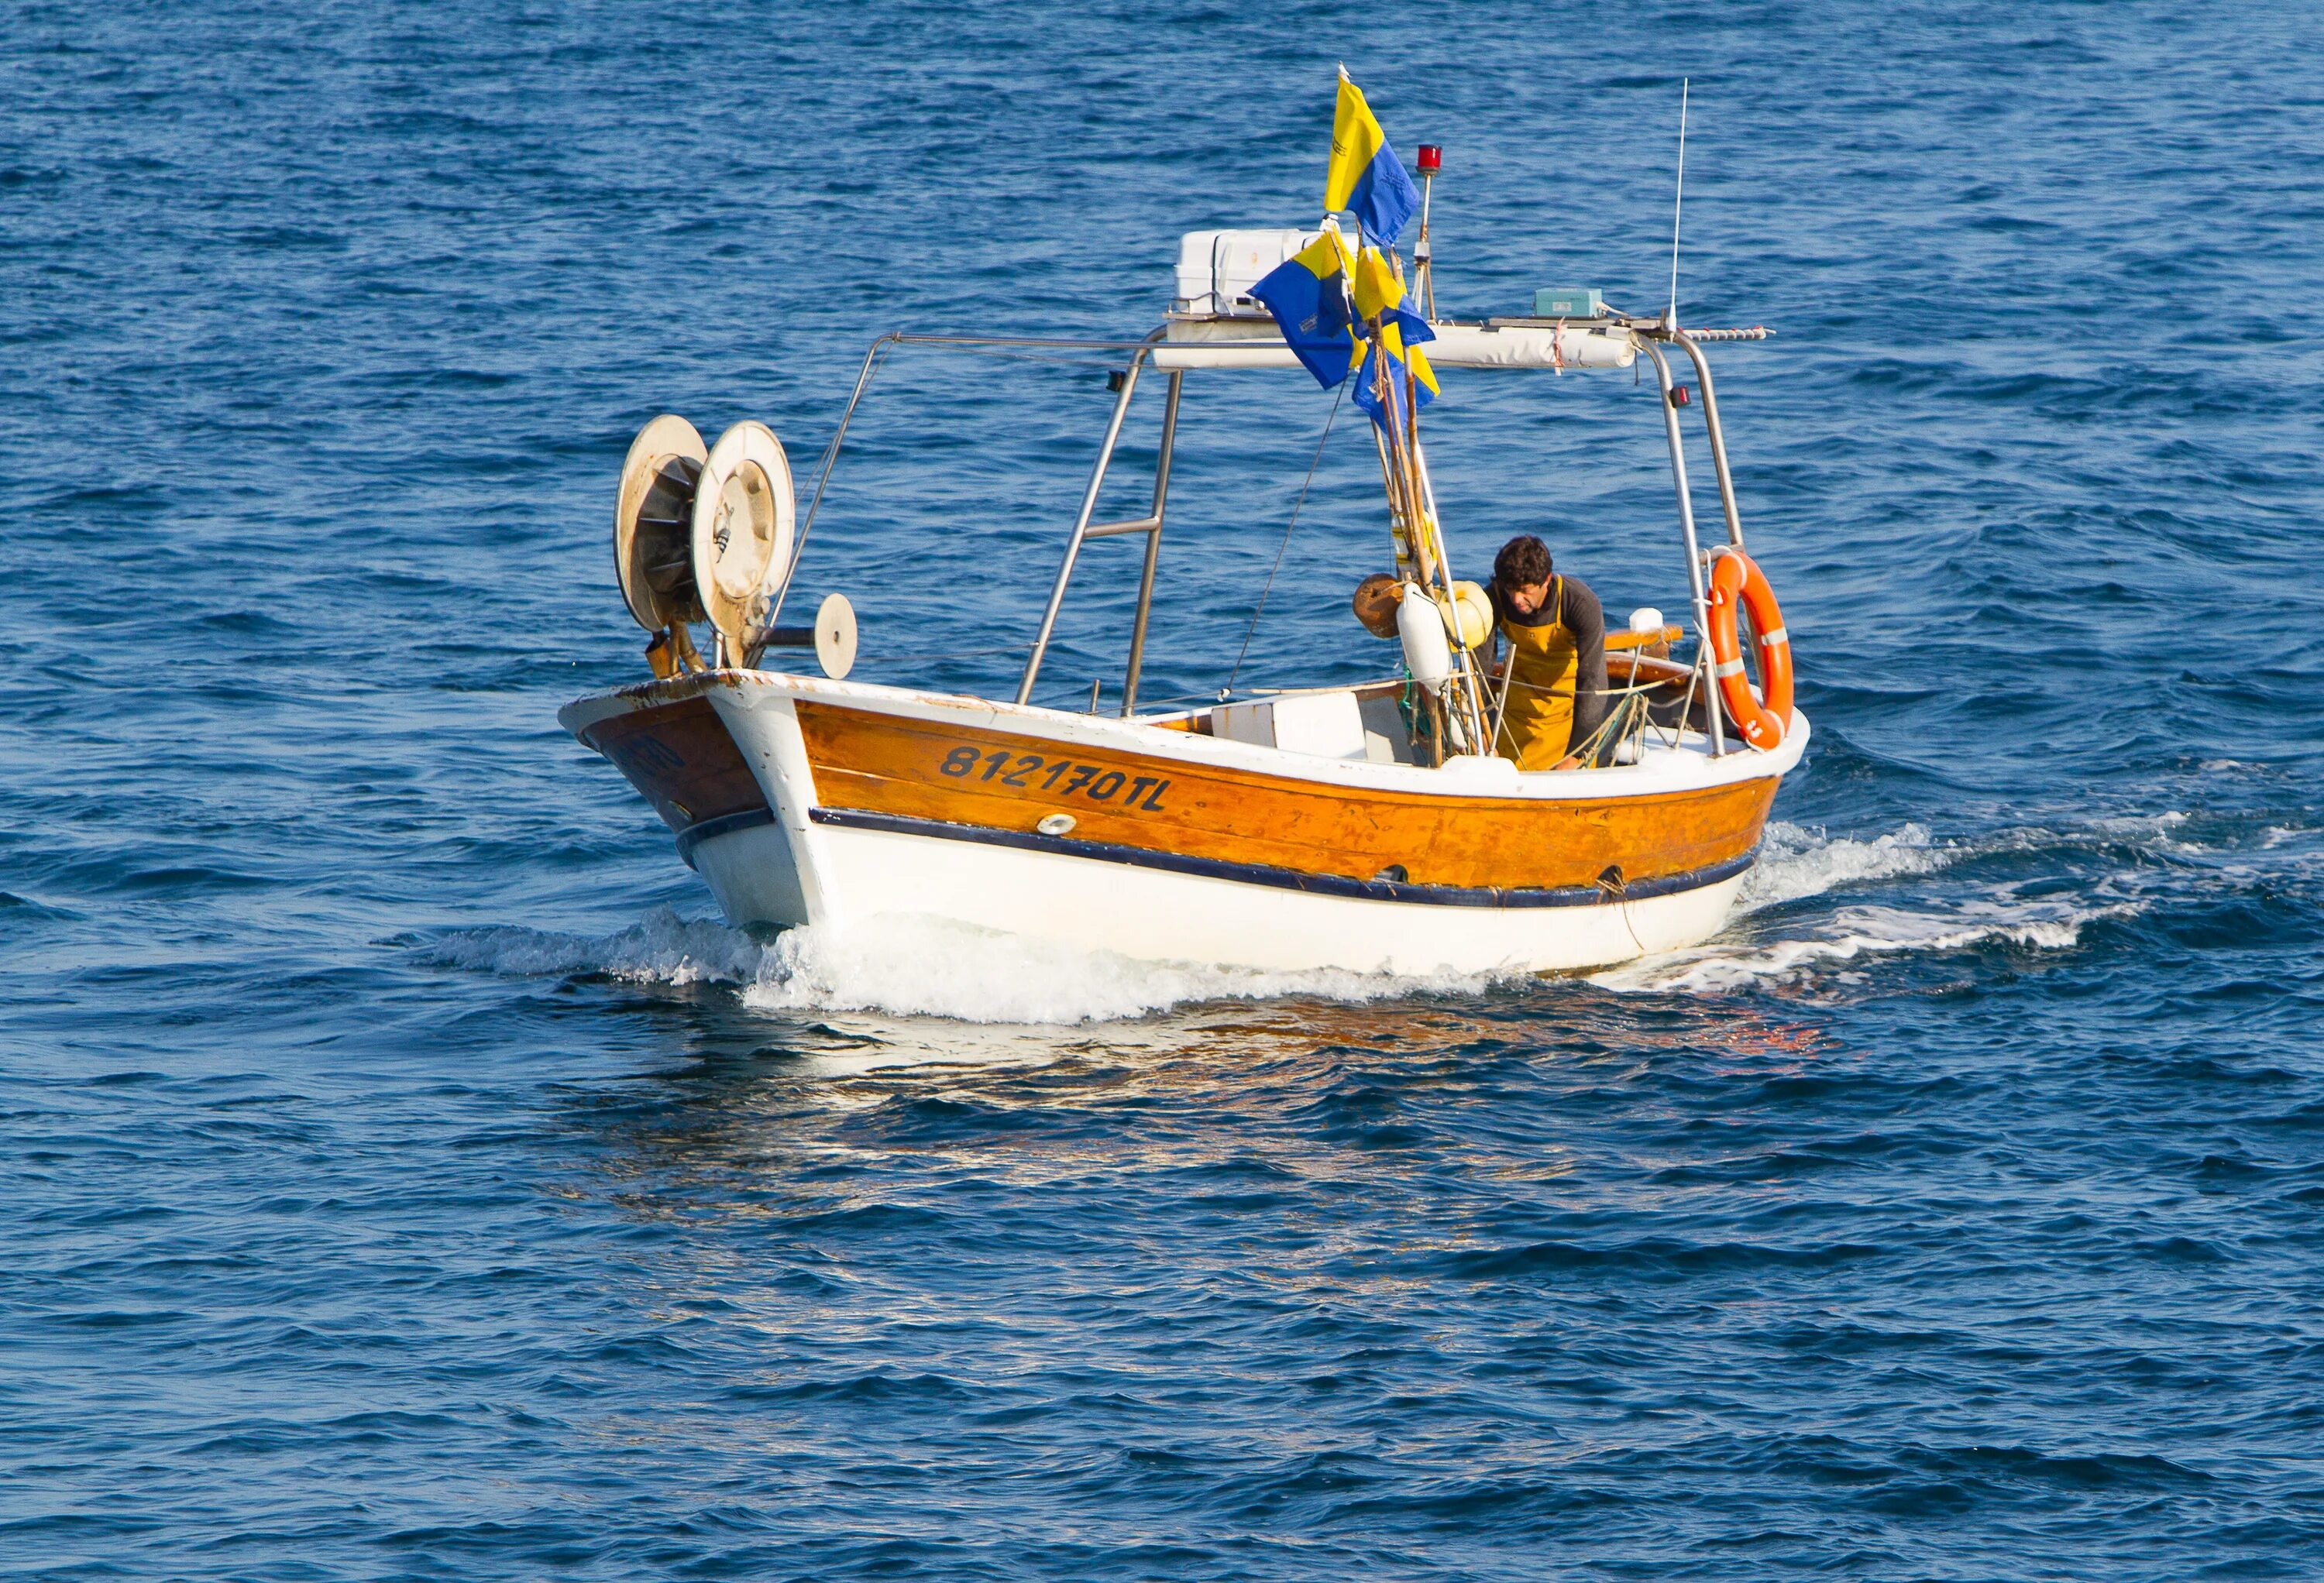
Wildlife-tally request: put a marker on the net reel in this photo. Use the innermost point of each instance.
(705, 534)
(653, 524)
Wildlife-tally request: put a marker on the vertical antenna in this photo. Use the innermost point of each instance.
(1677, 202)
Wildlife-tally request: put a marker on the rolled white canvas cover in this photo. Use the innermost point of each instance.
(1246, 344)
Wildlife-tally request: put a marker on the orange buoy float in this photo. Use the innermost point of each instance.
(1737, 580)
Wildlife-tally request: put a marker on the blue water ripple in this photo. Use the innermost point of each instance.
(408, 1176)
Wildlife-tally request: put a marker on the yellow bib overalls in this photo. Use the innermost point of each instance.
(1545, 667)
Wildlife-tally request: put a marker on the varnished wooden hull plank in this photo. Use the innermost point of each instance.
(681, 757)
(974, 776)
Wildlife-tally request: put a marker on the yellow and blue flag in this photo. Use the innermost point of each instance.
(1400, 353)
(1307, 293)
(1365, 175)
(1391, 331)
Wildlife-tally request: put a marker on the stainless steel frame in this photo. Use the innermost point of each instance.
(1686, 530)
(1645, 334)
(1150, 525)
(1718, 435)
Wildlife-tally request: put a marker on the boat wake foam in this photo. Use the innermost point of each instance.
(1857, 932)
(931, 967)
(1796, 864)
(909, 967)
(662, 948)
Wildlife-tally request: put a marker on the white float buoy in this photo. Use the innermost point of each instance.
(1471, 616)
(835, 636)
(1419, 624)
(832, 637)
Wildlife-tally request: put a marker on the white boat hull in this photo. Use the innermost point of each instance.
(872, 875)
(798, 859)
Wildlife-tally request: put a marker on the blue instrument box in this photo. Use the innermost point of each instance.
(1568, 302)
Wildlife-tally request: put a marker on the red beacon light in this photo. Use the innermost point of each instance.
(1430, 158)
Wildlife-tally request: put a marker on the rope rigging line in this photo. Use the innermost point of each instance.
(1059, 360)
(871, 362)
(946, 653)
(1260, 609)
(1065, 353)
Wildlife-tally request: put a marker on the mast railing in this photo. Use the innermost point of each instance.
(823, 473)
(1718, 435)
(1150, 525)
(1686, 530)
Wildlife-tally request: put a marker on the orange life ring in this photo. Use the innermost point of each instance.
(1735, 578)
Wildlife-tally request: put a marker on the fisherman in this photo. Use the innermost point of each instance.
(1556, 666)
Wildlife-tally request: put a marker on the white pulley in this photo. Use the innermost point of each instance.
(832, 637)
(835, 636)
(653, 523)
(743, 510)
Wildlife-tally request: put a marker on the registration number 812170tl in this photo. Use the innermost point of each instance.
(1142, 793)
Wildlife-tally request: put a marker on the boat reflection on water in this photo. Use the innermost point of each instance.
(776, 1114)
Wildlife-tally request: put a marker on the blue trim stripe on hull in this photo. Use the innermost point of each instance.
(1281, 879)
(693, 835)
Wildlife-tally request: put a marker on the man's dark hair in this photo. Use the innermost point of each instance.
(1523, 562)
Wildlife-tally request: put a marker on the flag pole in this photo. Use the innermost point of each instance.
(1401, 406)
(1471, 700)
(1396, 482)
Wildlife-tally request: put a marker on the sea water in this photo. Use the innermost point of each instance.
(408, 1175)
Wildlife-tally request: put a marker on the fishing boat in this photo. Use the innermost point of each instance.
(1373, 828)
